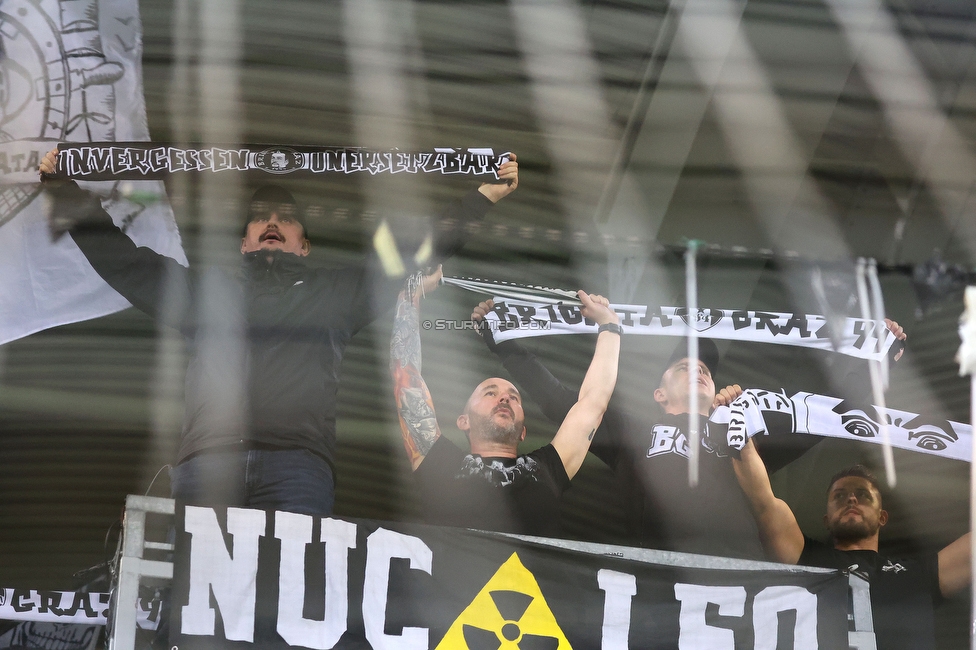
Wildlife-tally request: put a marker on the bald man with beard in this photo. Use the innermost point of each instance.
(491, 486)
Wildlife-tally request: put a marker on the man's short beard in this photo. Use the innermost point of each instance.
(490, 431)
(850, 531)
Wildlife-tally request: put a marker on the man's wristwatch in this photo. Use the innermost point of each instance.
(611, 327)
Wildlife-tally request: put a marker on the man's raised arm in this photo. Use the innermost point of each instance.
(452, 229)
(781, 535)
(415, 408)
(142, 276)
(956, 565)
(573, 438)
(555, 399)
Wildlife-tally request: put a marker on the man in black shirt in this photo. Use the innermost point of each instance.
(904, 590)
(648, 451)
(265, 341)
(493, 487)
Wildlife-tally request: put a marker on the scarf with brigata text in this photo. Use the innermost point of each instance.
(526, 311)
(763, 412)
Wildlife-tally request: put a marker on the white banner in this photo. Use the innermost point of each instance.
(71, 72)
(758, 412)
(865, 339)
(76, 608)
(53, 606)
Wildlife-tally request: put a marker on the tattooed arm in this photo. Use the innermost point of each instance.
(418, 422)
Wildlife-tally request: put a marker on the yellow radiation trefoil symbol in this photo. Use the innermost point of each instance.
(509, 612)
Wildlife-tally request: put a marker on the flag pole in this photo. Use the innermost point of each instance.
(972, 507)
(967, 362)
(691, 290)
(878, 368)
(874, 368)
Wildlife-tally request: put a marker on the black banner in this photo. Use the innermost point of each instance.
(104, 161)
(252, 578)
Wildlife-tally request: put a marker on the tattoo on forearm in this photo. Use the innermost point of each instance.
(590, 437)
(415, 408)
(418, 417)
(405, 342)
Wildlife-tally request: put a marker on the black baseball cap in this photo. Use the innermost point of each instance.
(269, 195)
(707, 354)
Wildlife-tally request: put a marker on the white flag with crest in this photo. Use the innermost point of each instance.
(70, 70)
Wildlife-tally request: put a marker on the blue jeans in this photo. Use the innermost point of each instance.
(294, 480)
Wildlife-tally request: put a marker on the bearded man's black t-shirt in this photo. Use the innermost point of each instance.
(904, 591)
(514, 495)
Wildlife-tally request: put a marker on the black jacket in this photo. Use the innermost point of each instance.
(277, 324)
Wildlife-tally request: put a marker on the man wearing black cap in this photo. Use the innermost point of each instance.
(274, 223)
(271, 444)
(649, 454)
(711, 518)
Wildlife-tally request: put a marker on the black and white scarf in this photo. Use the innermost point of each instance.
(526, 311)
(94, 161)
(761, 412)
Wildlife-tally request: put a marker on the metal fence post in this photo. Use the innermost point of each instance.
(133, 567)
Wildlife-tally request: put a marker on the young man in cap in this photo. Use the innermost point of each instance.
(265, 343)
(492, 486)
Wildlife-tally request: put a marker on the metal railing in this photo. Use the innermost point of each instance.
(134, 567)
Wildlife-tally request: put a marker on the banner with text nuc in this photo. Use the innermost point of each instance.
(250, 578)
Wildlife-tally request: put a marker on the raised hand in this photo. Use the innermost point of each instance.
(726, 396)
(49, 164)
(507, 181)
(597, 308)
(899, 333)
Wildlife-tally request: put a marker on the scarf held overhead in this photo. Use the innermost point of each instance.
(763, 412)
(522, 311)
(864, 339)
(153, 160)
